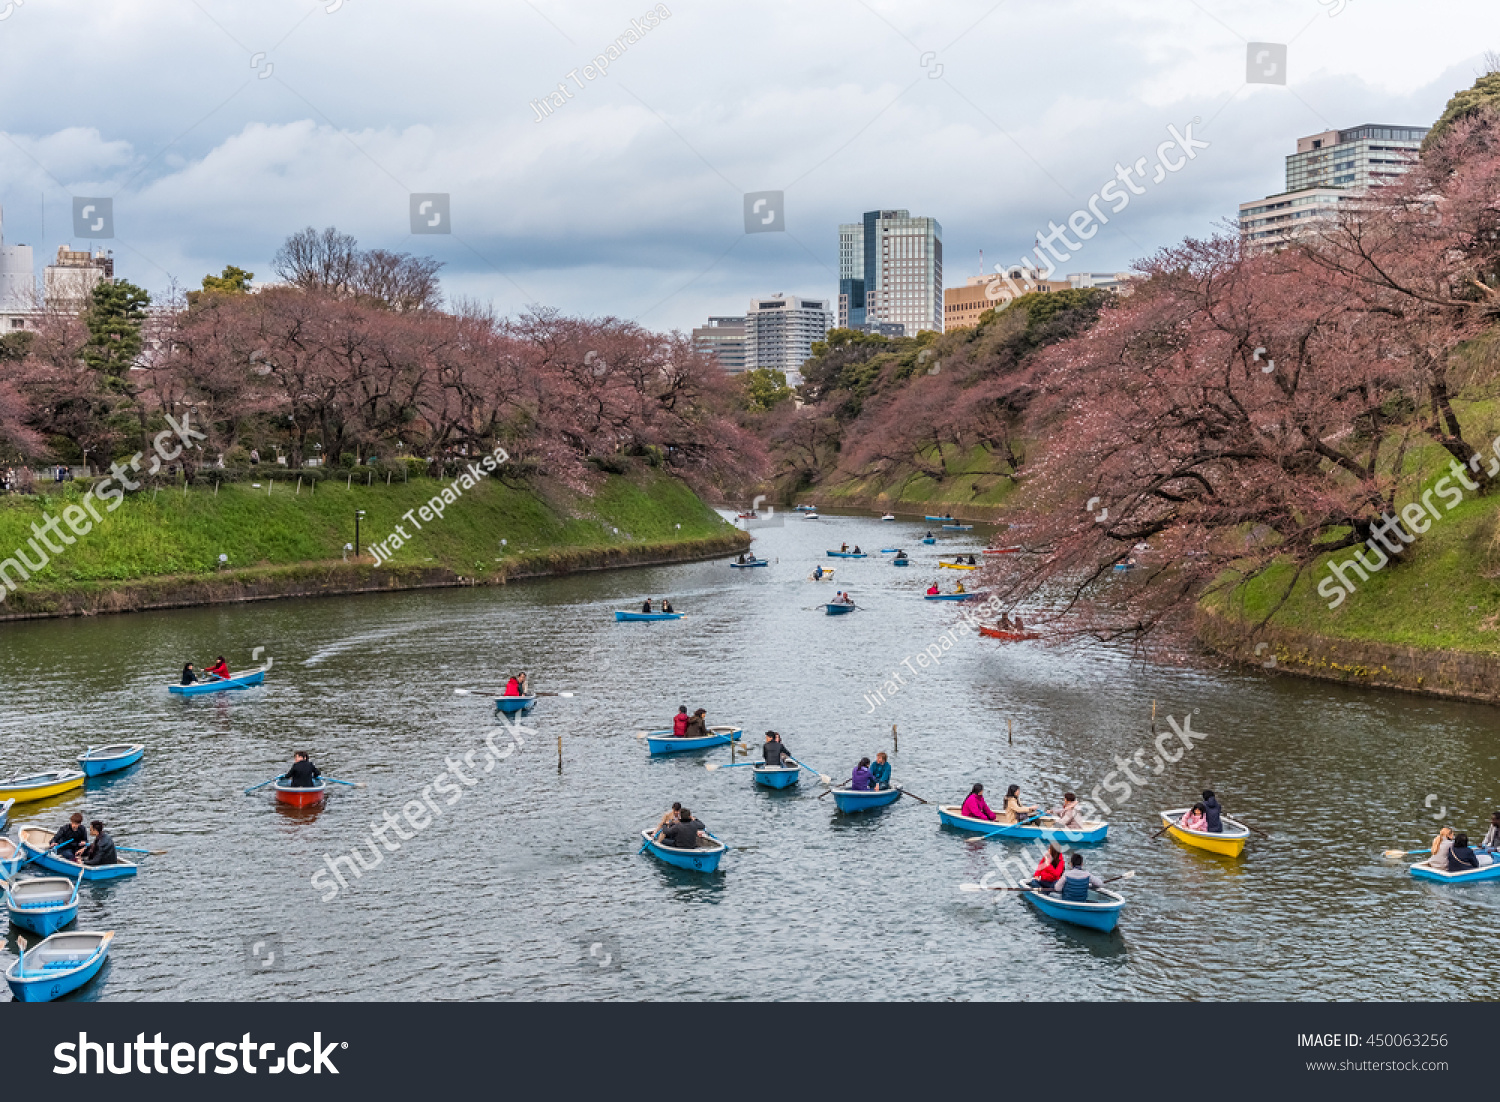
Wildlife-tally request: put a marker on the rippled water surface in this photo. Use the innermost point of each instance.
(531, 886)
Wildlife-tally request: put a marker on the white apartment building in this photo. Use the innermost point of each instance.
(780, 331)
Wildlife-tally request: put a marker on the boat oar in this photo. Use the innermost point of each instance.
(478, 692)
(1003, 827)
(262, 784)
(133, 849)
(1000, 888)
(1404, 852)
(350, 784)
(914, 796)
(823, 778)
(1257, 830)
(711, 766)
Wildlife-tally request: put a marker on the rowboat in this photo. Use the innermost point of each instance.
(1009, 636)
(807, 508)
(1099, 912)
(43, 905)
(889, 516)
(848, 554)
(889, 550)
(938, 518)
(39, 786)
(1046, 828)
(5, 812)
(775, 776)
(900, 562)
(809, 516)
(951, 596)
(827, 575)
(848, 800)
(929, 539)
(958, 566)
(108, 759)
(1230, 841)
(662, 742)
(36, 846)
(1423, 871)
(702, 859)
(752, 562)
(648, 616)
(61, 963)
(838, 608)
(223, 684)
(744, 516)
(299, 796)
(13, 858)
(510, 705)
(958, 528)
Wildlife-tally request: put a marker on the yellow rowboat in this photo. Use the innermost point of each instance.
(959, 566)
(39, 786)
(1230, 841)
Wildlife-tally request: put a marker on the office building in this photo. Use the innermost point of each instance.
(780, 330)
(724, 340)
(962, 306)
(67, 283)
(891, 270)
(1328, 172)
(17, 284)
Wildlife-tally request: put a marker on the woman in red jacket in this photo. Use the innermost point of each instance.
(1049, 870)
(219, 669)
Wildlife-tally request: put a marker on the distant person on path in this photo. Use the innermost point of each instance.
(774, 751)
(680, 722)
(1013, 812)
(254, 457)
(1075, 883)
(1212, 811)
(880, 772)
(303, 773)
(220, 669)
(697, 727)
(686, 831)
(1049, 870)
(974, 805)
(101, 851)
(70, 836)
(859, 781)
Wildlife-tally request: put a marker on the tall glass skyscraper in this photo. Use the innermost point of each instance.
(891, 270)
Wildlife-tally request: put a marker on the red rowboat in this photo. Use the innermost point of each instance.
(1010, 636)
(300, 797)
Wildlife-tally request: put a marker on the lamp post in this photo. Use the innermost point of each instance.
(359, 515)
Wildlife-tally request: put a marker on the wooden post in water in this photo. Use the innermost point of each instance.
(1009, 738)
(559, 755)
(1153, 717)
(895, 741)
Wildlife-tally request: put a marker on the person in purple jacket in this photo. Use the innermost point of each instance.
(860, 781)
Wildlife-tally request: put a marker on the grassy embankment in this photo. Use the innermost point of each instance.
(975, 485)
(276, 533)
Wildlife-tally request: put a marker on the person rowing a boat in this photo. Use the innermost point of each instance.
(1067, 817)
(880, 772)
(697, 727)
(1013, 812)
(101, 851)
(303, 773)
(666, 605)
(859, 780)
(686, 831)
(857, 551)
(932, 590)
(972, 562)
(843, 548)
(1074, 884)
(742, 558)
(219, 669)
(70, 836)
(513, 687)
(774, 750)
(1212, 812)
(646, 605)
(1049, 870)
(843, 598)
(928, 536)
(959, 588)
(817, 573)
(974, 806)
(680, 722)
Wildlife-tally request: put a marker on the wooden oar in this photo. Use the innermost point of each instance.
(501, 696)
(1002, 827)
(711, 766)
(913, 795)
(999, 888)
(147, 852)
(262, 784)
(1404, 852)
(823, 778)
(351, 784)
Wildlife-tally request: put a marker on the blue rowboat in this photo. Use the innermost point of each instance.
(900, 562)
(776, 776)
(848, 554)
(662, 742)
(889, 550)
(43, 905)
(837, 608)
(958, 528)
(37, 841)
(1044, 828)
(58, 965)
(848, 800)
(513, 704)
(807, 508)
(951, 596)
(13, 858)
(938, 518)
(1100, 912)
(929, 539)
(223, 684)
(702, 859)
(748, 565)
(5, 807)
(1124, 565)
(648, 616)
(1423, 871)
(107, 759)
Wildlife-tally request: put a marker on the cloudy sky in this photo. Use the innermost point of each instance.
(217, 128)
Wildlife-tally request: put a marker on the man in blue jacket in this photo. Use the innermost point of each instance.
(880, 772)
(1212, 810)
